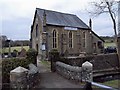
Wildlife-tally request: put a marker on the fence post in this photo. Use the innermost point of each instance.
(54, 57)
(87, 68)
(18, 78)
(88, 86)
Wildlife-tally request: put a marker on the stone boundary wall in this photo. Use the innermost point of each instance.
(33, 76)
(105, 61)
(69, 72)
(100, 62)
(22, 78)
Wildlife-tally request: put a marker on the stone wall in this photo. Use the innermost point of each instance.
(33, 76)
(106, 61)
(75, 73)
(22, 78)
(69, 72)
(100, 62)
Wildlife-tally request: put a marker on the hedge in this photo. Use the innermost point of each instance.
(9, 64)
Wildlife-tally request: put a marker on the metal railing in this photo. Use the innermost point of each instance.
(89, 84)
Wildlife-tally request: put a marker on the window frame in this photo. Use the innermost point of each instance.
(70, 39)
(54, 39)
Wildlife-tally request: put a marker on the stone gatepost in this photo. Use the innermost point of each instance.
(87, 68)
(18, 78)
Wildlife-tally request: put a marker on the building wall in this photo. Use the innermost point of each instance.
(37, 40)
(95, 40)
(78, 41)
(63, 39)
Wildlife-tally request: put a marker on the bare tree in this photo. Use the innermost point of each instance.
(106, 6)
(110, 7)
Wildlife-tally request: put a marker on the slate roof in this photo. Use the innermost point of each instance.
(61, 19)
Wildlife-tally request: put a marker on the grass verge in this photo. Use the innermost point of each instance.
(112, 83)
(18, 48)
(109, 44)
(46, 63)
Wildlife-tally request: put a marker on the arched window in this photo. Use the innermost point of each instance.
(54, 39)
(70, 39)
(37, 30)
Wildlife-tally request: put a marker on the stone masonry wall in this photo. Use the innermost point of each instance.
(68, 71)
(100, 62)
(24, 79)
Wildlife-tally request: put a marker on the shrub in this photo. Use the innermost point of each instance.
(32, 56)
(9, 64)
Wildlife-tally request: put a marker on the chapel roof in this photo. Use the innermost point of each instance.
(61, 19)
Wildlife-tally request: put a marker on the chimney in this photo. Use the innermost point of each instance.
(90, 23)
(44, 18)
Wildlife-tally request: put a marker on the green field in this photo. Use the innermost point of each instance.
(109, 44)
(112, 83)
(18, 48)
(109, 41)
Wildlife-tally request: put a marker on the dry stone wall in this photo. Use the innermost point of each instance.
(75, 73)
(22, 78)
(69, 72)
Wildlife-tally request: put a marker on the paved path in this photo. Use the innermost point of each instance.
(49, 79)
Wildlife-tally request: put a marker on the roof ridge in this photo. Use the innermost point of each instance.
(57, 11)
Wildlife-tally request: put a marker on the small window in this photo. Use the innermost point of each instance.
(99, 43)
(37, 30)
(70, 39)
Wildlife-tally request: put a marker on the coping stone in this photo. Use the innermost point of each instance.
(19, 70)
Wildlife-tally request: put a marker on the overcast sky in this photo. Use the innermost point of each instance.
(17, 16)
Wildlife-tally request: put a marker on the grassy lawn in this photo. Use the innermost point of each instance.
(109, 44)
(46, 63)
(112, 83)
(18, 48)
